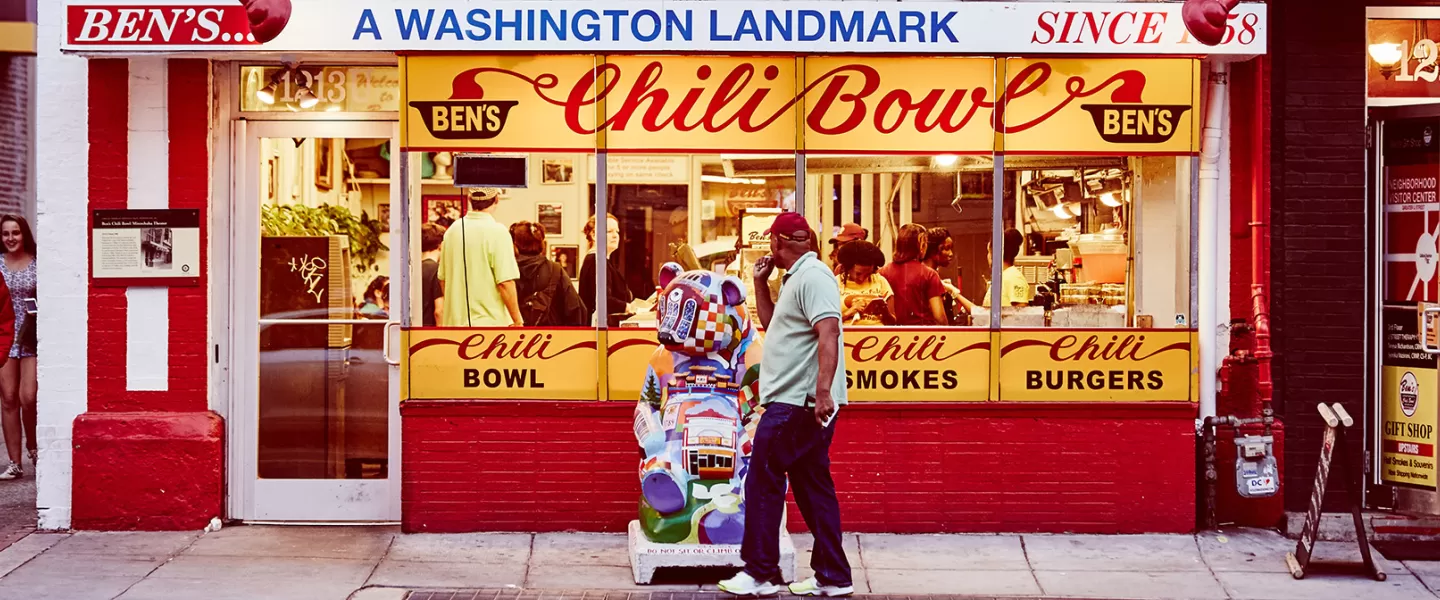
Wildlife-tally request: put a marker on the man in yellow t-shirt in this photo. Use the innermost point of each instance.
(478, 268)
(1014, 288)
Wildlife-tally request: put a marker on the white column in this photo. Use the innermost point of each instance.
(62, 185)
(147, 315)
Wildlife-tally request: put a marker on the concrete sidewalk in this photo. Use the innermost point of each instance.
(382, 564)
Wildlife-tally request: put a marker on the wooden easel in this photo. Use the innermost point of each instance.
(1336, 421)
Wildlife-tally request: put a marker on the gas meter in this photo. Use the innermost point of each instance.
(1256, 472)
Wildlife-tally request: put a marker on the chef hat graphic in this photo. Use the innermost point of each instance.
(267, 17)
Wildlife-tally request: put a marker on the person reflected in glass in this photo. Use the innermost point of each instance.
(376, 305)
(432, 236)
(478, 268)
(918, 290)
(618, 296)
(865, 295)
(547, 298)
(17, 376)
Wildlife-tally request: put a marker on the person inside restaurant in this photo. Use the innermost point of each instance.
(618, 295)
(865, 295)
(478, 268)
(918, 288)
(547, 298)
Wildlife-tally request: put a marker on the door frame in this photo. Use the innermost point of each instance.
(248, 498)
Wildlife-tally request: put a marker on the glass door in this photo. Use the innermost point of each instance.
(316, 398)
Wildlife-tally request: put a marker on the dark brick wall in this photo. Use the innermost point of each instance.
(557, 466)
(1318, 235)
(16, 130)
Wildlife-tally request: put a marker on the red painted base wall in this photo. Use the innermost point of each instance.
(154, 471)
(557, 466)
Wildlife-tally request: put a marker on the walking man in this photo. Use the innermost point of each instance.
(802, 386)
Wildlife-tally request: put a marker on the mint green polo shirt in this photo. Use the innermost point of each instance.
(477, 256)
(790, 364)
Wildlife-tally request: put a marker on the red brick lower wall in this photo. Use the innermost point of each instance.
(557, 466)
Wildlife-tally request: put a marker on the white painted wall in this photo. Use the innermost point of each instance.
(62, 181)
(147, 313)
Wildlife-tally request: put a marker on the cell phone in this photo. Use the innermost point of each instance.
(30, 305)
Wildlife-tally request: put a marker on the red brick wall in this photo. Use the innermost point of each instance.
(555, 466)
(1318, 234)
(16, 130)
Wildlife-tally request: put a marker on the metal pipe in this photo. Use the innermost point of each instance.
(1210, 150)
(1259, 252)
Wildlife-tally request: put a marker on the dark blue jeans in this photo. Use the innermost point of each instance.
(788, 441)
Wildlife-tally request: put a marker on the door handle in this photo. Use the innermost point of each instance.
(386, 346)
(1425, 318)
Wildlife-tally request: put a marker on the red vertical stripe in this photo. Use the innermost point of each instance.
(190, 157)
(109, 111)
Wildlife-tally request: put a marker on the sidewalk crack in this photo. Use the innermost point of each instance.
(864, 568)
(1026, 551)
(529, 558)
(173, 556)
(1201, 551)
(383, 556)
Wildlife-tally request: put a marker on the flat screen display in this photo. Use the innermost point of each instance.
(492, 170)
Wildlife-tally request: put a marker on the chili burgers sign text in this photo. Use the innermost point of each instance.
(922, 27)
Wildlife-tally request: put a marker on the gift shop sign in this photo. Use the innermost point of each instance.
(824, 104)
(1408, 402)
(1095, 365)
(919, 27)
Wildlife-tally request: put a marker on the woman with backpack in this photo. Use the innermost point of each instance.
(547, 298)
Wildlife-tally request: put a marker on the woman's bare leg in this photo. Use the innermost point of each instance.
(28, 389)
(10, 408)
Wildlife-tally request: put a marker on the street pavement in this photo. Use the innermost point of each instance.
(379, 563)
(17, 502)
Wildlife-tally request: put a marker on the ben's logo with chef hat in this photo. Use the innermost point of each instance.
(467, 115)
(1128, 120)
(1409, 393)
(247, 22)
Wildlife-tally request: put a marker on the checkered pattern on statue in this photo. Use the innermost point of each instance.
(710, 334)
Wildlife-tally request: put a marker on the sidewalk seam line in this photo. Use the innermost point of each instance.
(167, 560)
(36, 554)
(383, 555)
(1204, 561)
(1033, 576)
(864, 568)
(529, 558)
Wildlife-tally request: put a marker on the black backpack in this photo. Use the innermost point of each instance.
(535, 308)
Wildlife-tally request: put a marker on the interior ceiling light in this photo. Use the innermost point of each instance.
(740, 180)
(946, 160)
(1061, 212)
(1110, 199)
(1387, 56)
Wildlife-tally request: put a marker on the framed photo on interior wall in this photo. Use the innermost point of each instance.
(324, 164)
(384, 217)
(551, 215)
(272, 181)
(444, 210)
(557, 171)
(568, 258)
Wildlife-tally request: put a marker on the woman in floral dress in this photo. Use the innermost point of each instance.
(17, 377)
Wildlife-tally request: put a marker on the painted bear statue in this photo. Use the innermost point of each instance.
(698, 410)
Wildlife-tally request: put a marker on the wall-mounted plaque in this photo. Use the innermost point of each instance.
(145, 247)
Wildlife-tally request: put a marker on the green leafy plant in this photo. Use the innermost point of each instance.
(305, 221)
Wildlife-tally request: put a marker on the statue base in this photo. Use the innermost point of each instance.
(646, 556)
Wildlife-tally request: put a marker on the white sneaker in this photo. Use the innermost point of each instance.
(743, 584)
(812, 587)
(12, 472)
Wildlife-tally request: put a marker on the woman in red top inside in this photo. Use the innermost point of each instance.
(918, 289)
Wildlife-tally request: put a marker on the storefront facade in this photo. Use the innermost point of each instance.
(314, 145)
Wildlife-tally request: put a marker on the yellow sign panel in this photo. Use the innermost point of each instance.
(502, 364)
(841, 104)
(1407, 436)
(883, 364)
(708, 103)
(865, 104)
(514, 102)
(1111, 106)
(1095, 365)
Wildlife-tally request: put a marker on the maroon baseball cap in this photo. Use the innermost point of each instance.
(791, 225)
(849, 233)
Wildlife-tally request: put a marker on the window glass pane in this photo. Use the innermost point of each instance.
(1106, 240)
(309, 88)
